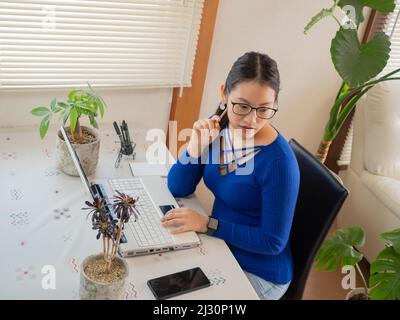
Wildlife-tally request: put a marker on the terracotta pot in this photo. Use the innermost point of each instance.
(88, 154)
(93, 290)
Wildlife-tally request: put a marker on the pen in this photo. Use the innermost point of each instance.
(124, 137)
(128, 138)
(116, 127)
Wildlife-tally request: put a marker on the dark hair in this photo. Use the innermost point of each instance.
(252, 66)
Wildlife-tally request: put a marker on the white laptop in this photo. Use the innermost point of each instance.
(146, 235)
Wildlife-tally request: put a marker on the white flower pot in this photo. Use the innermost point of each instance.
(93, 290)
(88, 154)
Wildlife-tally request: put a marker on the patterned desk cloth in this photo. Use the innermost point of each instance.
(43, 229)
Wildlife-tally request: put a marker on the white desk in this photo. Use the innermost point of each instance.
(41, 223)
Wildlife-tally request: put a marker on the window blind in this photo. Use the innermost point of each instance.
(114, 43)
(390, 24)
(392, 28)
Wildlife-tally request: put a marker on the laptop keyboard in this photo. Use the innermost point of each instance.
(147, 230)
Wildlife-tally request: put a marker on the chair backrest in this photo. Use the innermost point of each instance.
(321, 195)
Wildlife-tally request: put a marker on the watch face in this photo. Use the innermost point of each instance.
(213, 223)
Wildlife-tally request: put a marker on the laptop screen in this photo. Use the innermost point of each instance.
(77, 163)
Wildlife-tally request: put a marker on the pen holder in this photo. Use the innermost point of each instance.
(125, 151)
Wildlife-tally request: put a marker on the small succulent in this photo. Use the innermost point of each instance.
(125, 206)
(97, 207)
(108, 228)
(105, 226)
(101, 220)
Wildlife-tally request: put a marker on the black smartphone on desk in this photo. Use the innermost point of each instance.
(178, 283)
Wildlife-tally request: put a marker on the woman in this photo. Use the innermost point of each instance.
(253, 210)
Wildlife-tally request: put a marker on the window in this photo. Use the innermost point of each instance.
(390, 24)
(114, 43)
(392, 28)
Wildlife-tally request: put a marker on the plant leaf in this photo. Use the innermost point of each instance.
(53, 104)
(93, 121)
(65, 113)
(44, 126)
(72, 94)
(40, 111)
(339, 251)
(73, 118)
(384, 6)
(99, 102)
(62, 105)
(385, 275)
(101, 105)
(357, 63)
(314, 20)
(393, 239)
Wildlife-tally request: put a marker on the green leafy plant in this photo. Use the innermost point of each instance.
(80, 102)
(107, 227)
(340, 251)
(356, 63)
(385, 270)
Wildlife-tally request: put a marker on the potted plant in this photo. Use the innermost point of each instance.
(356, 63)
(85, 140)
(103, 275)
(385, 270)
(340, 251)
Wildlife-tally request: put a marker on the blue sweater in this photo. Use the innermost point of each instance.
(254, 211)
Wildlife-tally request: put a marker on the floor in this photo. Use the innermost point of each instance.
(322, 285)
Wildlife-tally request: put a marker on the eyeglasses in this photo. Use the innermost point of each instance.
(243, 109)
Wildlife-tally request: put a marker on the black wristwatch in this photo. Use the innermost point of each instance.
(212, 225)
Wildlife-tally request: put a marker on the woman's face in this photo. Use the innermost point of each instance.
(253, 94)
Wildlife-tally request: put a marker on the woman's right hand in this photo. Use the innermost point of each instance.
(204, 132)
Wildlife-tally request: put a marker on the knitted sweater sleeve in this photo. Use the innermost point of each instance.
(184, 175)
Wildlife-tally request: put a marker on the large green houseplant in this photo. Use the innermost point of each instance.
(340, 251)
(80, 102)
(356, 63)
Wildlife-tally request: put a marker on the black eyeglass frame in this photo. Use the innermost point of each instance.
(251, 109)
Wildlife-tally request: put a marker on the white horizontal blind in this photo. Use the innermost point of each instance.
(392, 28)
(114, 43)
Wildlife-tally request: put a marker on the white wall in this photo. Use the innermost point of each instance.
(148, 108)
(308, 79)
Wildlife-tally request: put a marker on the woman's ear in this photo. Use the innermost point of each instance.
(222, 93)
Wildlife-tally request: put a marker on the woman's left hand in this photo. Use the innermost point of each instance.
(188, 219)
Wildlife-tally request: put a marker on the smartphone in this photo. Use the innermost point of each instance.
(166, 208)
(178, 283)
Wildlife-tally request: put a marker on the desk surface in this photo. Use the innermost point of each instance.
(42, 224)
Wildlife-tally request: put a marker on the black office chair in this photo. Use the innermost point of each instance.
(321, 195)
